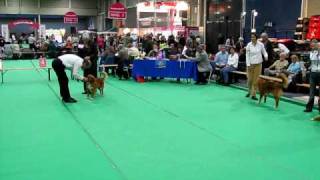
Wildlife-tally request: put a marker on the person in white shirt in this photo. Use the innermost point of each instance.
(133, 51)
(32, 42)
(283, 49)
(314, 75)
(71, 62)
(254, 52)
(232, 65)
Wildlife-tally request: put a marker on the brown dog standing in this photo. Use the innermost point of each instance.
(95, 84)
(268, 86)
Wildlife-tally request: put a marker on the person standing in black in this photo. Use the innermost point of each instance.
(2, 43)
(314, 75)
(90, 50)
(182, 40)
(240, 49)
(123, 62)
(268, 46)
(148, 44)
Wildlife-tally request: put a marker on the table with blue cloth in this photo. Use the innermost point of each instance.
(184, 69)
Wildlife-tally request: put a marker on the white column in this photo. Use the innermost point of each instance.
(154, 17)
(198, 12)
(101, 15)
(243, 18)
(306, 7)
(39, 22)
(205, 21)
(138, 21)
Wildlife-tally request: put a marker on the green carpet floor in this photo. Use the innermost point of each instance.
(150, 131)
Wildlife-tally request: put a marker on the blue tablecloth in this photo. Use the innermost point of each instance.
(185, 69)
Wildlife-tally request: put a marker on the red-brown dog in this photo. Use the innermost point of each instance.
(95, 84)
(268, 86)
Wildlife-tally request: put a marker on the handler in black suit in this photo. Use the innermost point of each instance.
(269, 48)
(90, 50)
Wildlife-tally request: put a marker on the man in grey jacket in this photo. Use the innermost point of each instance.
(314, 75)
(204, 66)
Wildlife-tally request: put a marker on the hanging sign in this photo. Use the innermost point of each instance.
(71, 18)
(117, 11)
(34, 25)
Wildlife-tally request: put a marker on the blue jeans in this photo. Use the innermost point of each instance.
(225, 73)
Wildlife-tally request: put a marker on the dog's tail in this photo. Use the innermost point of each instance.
(103, 75)
(285, 81)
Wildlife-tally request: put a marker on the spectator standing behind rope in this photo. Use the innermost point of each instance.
(315, 75)
(2, 43)
(268, 46)
(240, 49)
(254, 52)
(32, 41)
(148, 44)
(123, 62)
(90, 50)
(101, 43)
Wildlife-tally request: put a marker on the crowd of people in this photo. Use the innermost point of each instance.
(256, 57)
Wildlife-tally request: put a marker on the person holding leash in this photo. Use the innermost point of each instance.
(71, 62)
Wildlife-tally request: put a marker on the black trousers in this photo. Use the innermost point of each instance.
(59, 69)
(123, 69)
(203, 77)
(314, 81)
(92, 70)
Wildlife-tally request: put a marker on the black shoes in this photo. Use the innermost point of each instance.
(70, 100)
(307, 110)
(253, 97)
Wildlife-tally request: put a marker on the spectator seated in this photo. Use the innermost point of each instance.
(277, 67)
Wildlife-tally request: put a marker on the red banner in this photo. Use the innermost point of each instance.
(117, 11)
(158, 4)
(314, 28)
(71, 18)
(34, 25)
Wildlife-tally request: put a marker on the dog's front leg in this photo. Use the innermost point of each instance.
(94, 93)
(277, 102)
(101, 91)
(260, 99)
